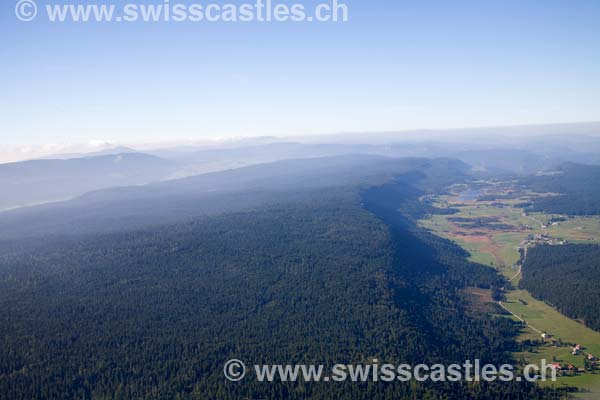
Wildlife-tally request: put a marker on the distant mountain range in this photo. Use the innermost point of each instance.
(510, 152)
(241, 189)
(38, 181)
(105, 152)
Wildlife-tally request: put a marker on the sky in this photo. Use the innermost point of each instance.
(397, 64)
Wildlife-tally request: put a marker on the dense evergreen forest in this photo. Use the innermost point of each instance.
(568, 277)
(155, 313)
(577, 188)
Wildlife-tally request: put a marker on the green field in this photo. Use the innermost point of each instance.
(499, 249)
(547, 319)
(588, 383)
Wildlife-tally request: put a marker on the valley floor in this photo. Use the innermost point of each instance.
(498, 233)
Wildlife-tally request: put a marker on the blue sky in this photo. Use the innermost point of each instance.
(396, 65)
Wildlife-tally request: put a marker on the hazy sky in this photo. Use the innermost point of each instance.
(396, 65)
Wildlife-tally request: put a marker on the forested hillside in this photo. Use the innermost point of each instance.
(568, 277)
(156, 313)
(577, 189)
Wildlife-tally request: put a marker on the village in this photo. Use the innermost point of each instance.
(544, 237)
(591, 362)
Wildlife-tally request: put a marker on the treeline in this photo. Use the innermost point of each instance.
(567, 277)
(577, 188)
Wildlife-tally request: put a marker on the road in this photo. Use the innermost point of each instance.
(534, 220)
(517, 274)
(520, 319)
